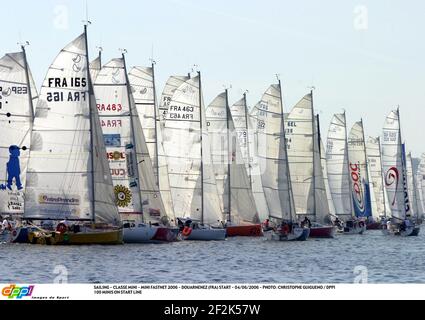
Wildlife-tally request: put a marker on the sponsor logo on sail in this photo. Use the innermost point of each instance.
(392, 177)
(58, 200)
(13, 291)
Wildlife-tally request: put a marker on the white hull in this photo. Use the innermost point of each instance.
(410, 231)
(297, 234)
(207, 235)
(353, 230)
(139, 234)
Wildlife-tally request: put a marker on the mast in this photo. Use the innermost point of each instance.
(133, 137)
(313, 122)
(247, 139)
(229, 158)
(348, 166)
(31, 105)
(319, 136)
(202, 157)
(288, 174)
(156, 123)
(404, 173)
(382, 176)
(100, 57)
(91, 94)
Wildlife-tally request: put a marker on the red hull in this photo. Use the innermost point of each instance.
(374, 226)
(255, 230)
(166, 235)
(322, 232)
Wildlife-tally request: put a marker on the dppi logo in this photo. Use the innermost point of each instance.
(357, 190)
(392, 177)
(13, 291)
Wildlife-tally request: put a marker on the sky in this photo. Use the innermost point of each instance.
(365, 57)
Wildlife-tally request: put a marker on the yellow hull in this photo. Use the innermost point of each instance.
(101, 237)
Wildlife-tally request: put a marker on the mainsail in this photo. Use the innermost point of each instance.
(271, 150)
(321, 186)
(300, 135)
(18, 95)
(132, 172)
(142, 80)
(421, 183)
(324, 166)
(373, 147)
(337, 164)
(411, 186)
(186, 144)
(359, 172)
(173, 83)
(68, 175)
(246, 137)
(233, 183)
(393, 166)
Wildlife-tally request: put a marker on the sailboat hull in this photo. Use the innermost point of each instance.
(254, 230)
(409, 232)
(101, 237)
(298, 234)
(322, 232)
(149, 234)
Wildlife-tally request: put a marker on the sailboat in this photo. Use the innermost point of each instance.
(137, 195)
(18, 95)
(68, 179)
(142, 81)
(339, 177)
(246, 137)
(302, 133)
(192, 181)
(359, 174)
(394, 163)
(237, 200)
(378, 193)
(271, 148)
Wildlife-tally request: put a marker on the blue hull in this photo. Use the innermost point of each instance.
(22, 236)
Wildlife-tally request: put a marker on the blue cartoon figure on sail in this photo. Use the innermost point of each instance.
(13, 169)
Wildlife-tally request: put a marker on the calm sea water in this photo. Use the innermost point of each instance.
(238, 260)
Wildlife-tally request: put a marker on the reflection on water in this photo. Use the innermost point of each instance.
(239, 260)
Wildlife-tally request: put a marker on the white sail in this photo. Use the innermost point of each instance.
(300, 143)
(173, 83)
(229, 167)
(270, 147)
(322, 212)
(359, 175)
(18, 95)
(411, 185)
(421, 183)
(192, 181)
(324, 166)
(68, 174)
(129, 161)
(392, 158)
(337, 164)
(246, 136)
(95, 67)
(376, 177)
(142, 80)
